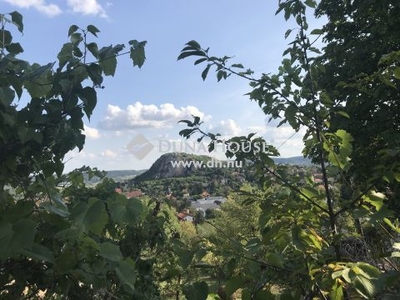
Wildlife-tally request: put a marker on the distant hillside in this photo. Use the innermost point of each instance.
(121, 175)
(162, 167)
(296, 161)
(116, 175)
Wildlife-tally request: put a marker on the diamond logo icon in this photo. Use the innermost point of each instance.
(140, 147)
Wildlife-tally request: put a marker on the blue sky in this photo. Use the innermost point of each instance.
(151, 100)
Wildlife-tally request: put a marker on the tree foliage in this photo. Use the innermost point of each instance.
(341, 94)
(60, 239)
(288, 236)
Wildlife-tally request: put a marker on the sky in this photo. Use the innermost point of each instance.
(145, 105)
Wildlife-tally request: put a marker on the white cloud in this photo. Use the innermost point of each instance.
(288, 142)
(79, 154)
(91, 133)
(260, 130)
(140, 115)
(75, 159)
(50, 10)
(87, 7)
(109, 153)
(227, 128)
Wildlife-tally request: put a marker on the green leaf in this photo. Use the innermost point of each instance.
(233, 284)
(91, 216)
(171, 273)
(346, 275)
(343, 113)
(337, 291)
(54, 209)
(365, 287)
(76, 38)
(126, 273)
(340, 156)
(367, 270)
(14, 48)
(89, 98)
(93, 30)
(221, 74)
(92, 47)
(310, 192)
(185, 258)
(396, 72)
(65, 54)
(376, 199)
(17, 19)
(186, 132)
(66, 261)
(109, 65)
(72, 29)
(95, 73)
(39, 253)
(37, 82)
(6, 233)
(134, 207)
(211, 147)
(6, 95)
(56, 206)
(290, 114)
(264, 295)
(110, 251)
(196, 291)
(200, 60)
(205, 72)
(6, 38)
(193, 44)
(396, 246)
(16, 84)
(303, 240)
(196, 120)
(311, 3)
(37, 71)
(137, 52)
(16, 237)
(325, 99)
(21, 209)
(275, 260)
(191, 53)
(239, 66)
(288, 32)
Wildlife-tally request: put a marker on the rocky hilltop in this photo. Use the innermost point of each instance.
(163, 168)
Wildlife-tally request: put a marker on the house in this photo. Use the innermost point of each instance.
(134, 194)
(208, 203)
(205, 195)
(184, 216)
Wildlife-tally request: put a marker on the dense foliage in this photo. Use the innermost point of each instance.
(319, 239)
(59, 238)
(286, 235)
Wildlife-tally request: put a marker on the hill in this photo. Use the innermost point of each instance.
(121, 175)
(163, 167)
(116, 175)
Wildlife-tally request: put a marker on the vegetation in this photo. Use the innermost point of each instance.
(287, 233)
(60, 239)
(305, 228)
